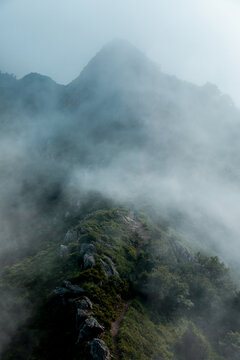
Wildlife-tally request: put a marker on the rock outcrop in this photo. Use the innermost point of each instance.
(84, 304)
(64, 251)
(72, 236)
(87, 248)
(67, 288)
(88, 261)
(87, 252)
(75, 289)
(182, 253)
(90, 329)
(81, 316)
(99, 350)
(109, 267)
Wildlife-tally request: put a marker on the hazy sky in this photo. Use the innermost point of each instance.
(197, 40)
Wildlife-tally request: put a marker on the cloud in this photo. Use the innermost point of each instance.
(196, 40)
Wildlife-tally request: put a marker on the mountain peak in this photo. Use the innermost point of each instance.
(117, 54)
(36, 78)
(120, 46)
(117, 64)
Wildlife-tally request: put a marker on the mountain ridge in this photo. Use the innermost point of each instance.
(119, 54)
(125, 127)
(119, 191)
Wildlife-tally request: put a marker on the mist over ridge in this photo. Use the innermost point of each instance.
(129, 131)
(122, 134)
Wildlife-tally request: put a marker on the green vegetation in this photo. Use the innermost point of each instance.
(140, 338)
(180, 306)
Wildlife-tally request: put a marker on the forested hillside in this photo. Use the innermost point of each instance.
(119, 215)
(116, 283)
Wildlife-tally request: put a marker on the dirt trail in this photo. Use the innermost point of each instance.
(115, 328)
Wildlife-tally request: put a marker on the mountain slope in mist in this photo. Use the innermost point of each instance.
(144, 135)
(116, 285)
(123, 133)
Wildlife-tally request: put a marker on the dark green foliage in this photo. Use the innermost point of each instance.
(192, 345)
(230, 346)
(139, 337)
(169, 291)
(165, 291)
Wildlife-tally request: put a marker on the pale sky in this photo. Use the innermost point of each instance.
(196, 40)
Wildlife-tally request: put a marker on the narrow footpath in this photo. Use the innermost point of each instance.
(115, 329)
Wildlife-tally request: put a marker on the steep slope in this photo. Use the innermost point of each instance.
(123, 103)
(118, 66)
(123, 131)
(39, 93)
(150, 135)
(32, 95)
(113, 267)
(156, 136)
(143, 134)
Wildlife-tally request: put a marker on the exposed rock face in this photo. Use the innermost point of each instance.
(75, 289)
(182, 253)
(109, 268)
(87, 248)
(81, 315)
(129, 221)
(84, 307)
(90, 329)
(64, 251)
(68, 288)
(87, 251)
(84, 304)
(99, 350)
(106, 268)
(72, 236)
(60, 291)
(88, 261)
(113, 269)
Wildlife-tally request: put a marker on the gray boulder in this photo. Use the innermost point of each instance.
(182, 253)
(60, 291)
(113, 269)
(72, 235)
(109, 268)
(64, 251)
(84, 307)
(67, 290)
(75, 289)
(90, 329)
(84, 304)
(99, 350)
(87, 248)
(87, 252)
(88, 261)
(81, 315)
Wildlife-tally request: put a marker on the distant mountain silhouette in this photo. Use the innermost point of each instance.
(122, 116)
